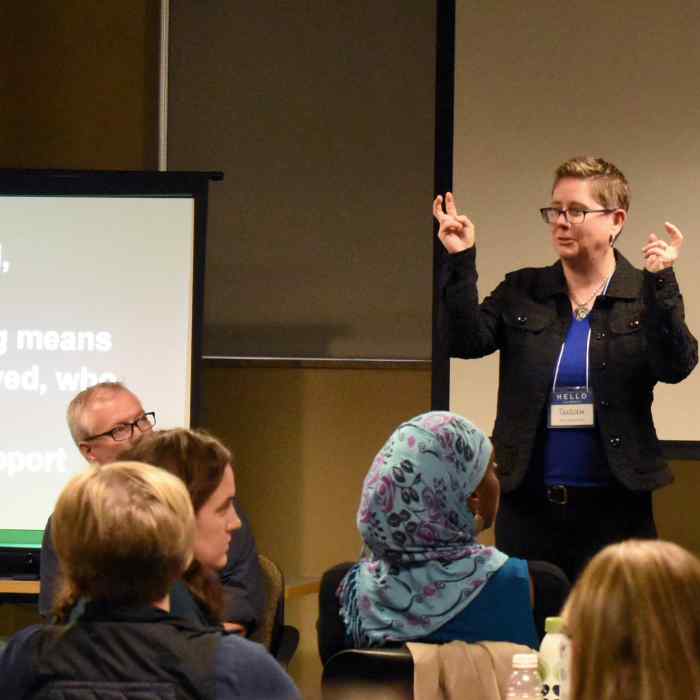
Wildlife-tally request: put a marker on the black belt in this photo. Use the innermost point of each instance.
(561, 494)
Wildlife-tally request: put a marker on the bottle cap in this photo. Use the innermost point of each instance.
(554, 625)
(524, 660)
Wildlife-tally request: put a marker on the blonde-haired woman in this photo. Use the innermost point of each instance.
(634, 620)
(124, 534)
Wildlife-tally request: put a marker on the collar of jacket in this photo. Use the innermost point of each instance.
(104, 612)
(626, 282)
(100, 611)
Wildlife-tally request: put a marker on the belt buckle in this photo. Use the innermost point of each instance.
(558, 494)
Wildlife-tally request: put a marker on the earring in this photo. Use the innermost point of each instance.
(478, 524)
(612, 240)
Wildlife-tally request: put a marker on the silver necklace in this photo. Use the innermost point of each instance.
(582, 309)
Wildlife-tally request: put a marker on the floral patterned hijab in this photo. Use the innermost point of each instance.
(424, 566)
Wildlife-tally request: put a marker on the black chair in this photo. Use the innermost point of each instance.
(355, 674)
(368, 674)
(550, 583)
(387, 673)
(330, 630)
(551, 587)
(279, 639)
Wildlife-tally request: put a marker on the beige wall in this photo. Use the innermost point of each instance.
(534, 86)
(304, 440)
(675, 507)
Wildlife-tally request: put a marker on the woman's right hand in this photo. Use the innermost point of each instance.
(456, 230)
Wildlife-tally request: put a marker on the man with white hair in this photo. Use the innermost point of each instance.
(107, 419)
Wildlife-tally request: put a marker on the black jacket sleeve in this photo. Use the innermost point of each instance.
(673, 351)
(474, 328)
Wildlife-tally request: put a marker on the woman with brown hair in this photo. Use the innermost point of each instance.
(634, 621)
(204, 465)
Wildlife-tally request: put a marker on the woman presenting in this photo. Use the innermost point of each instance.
(582, 343)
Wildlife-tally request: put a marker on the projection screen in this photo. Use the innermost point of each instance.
(100, 278)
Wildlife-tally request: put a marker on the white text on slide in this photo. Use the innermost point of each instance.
(74, 381)
(28, 380)
(16, 462)
(4, 263)
(65, 341)
(33, 340)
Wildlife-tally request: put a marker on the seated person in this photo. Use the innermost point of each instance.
(124, 533)
(430, 490)
(204, 464)
(634, 618)
(107, 419)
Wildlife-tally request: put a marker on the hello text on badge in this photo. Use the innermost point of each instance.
(571, 407)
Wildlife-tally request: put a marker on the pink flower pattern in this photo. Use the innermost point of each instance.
(425, 564)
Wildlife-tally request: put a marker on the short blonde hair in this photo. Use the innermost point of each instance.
(634, 618)
(81, 402)
(609, 186)
(123, 533)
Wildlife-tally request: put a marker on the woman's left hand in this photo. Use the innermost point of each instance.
(658, 254)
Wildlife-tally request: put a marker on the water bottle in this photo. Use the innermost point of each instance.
(554, 661)
(524, 682)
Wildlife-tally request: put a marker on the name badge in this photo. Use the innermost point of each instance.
(571, 407)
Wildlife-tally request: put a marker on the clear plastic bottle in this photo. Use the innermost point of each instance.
(553, 661)
(524, 682)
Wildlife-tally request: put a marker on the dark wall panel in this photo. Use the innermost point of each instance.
(79, 84)
(321, 115)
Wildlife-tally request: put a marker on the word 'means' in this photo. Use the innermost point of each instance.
(63, 341)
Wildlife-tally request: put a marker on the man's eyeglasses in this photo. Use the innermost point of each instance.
(574, 215)
(124, 431)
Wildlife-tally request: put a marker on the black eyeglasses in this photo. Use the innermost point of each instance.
(574, 215)
(124, 431)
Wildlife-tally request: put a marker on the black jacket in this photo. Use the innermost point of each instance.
(120, 654)
(138, 653)
(638, 338)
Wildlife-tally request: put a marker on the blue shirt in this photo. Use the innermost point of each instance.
(573, 456)
(502, 612)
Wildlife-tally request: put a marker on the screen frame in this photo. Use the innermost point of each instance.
(123, 183)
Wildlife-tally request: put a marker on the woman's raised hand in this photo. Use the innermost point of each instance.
(658, 254)
(456, 230)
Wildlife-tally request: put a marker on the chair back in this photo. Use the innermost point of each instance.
(270, 625)
(369, 674)
(330, 629)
